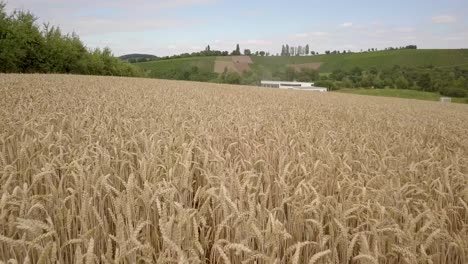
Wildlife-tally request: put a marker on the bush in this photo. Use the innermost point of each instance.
(402, 83)
(28, 48)
(230, 77)
(328, 84)
(453, 92)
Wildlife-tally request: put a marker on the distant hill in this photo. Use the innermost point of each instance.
(323, 63)
(137, 56)
(377, 59)
(175, 68)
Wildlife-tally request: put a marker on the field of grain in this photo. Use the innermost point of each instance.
(121, 170)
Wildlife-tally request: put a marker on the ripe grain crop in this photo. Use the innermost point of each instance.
(122, 170)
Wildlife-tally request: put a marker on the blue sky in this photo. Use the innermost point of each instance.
(165, 27)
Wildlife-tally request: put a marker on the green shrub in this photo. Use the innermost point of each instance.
(230, 77)
(328, 84)
(453, 92)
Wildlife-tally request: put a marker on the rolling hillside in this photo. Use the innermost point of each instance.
(168, 69)
(379, 60)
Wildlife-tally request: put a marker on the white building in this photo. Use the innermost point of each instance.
(304, 86)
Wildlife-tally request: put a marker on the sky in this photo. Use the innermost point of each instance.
(167, 27)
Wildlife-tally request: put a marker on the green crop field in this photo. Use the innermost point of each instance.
(379, 59)
(401, 93)
(165, 69)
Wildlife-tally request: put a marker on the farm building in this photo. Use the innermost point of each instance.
(445, 100)
(305, 86)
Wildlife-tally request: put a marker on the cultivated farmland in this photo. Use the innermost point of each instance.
(122, 170)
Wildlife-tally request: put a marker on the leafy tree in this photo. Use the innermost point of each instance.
(262, 53)
(454, 92)
(307, 75)
(232, 78)
(356, 71)
(402, 83)
(337, 75)
(26, 47)
(307, 49)
(247, 52)
(424, 81)
(236, 52)
(378, 83)
(347, 83)
(374, 70)
(328, 84)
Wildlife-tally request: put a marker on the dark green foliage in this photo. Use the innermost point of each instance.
(236, 52)
(27, 48)
(135, 57)
(424, 81)
(338, 75)
(250, 78)
(446, 81)
(402, 83)
(454, 92)
(230, 77)
(193, 69)
(307, 75)
(328, 84)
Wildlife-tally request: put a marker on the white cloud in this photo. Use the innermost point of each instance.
(257, 42)
(91, 17)
(347, 24)
(319, 34)
(91, 26)
(301, 35)
(172, 47)
(306, 36)
(444, 19)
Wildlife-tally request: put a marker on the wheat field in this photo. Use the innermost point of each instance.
(122, 170)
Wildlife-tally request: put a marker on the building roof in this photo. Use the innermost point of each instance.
(286, 82)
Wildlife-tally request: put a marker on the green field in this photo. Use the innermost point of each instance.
(379, 59)
(165, 69)
(266, 65)
(400, 93)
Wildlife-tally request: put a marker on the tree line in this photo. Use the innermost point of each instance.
(26, 47)
(207, 52)
(447, 81)
(451, 82)
(286, 50)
